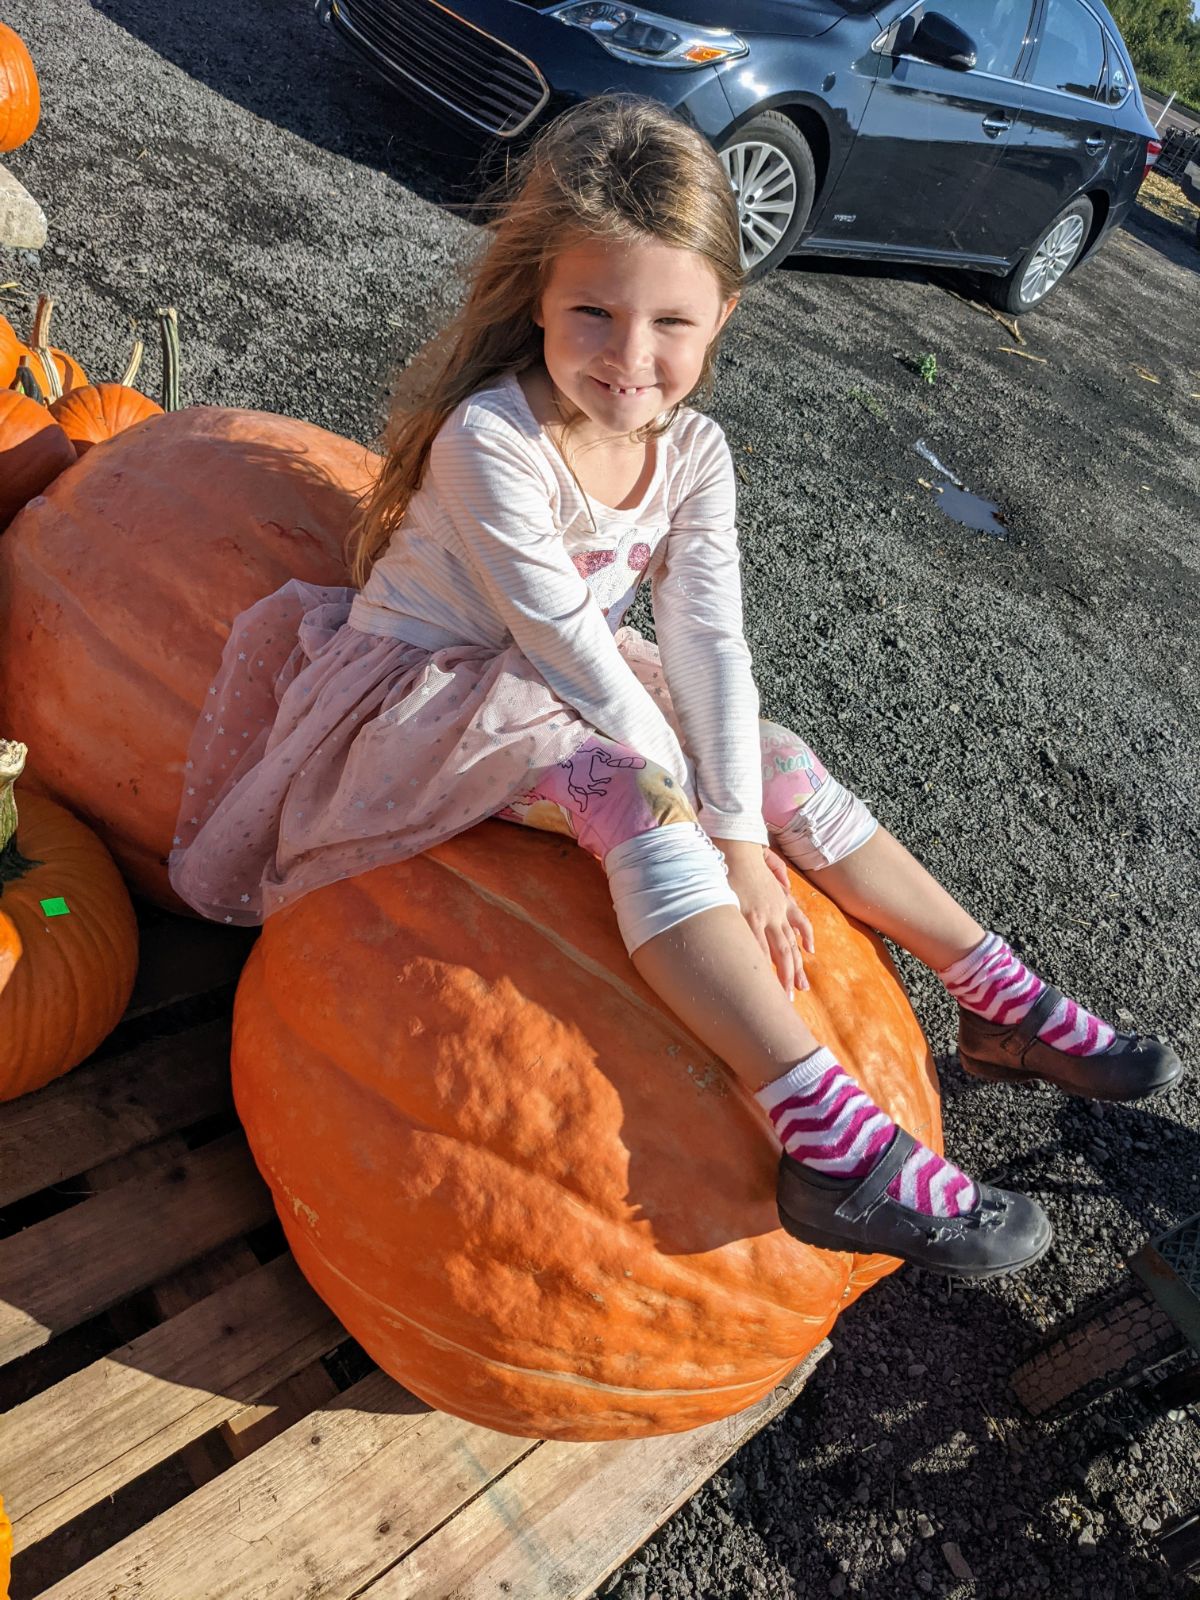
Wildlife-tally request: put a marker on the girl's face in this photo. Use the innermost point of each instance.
(626, 328)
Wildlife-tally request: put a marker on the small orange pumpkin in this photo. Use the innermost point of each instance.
(6, 1550)
(68, 937)
(99, 411)
(33, 451)
(20, 99)
(11, 351)
(525, 1188)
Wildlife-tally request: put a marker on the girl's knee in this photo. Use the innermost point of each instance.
(603, 795)
(613, 794)
(792, 773)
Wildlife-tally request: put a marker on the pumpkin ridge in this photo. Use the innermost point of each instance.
(549, 1374)
(592, 967)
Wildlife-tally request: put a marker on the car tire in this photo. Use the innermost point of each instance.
(774, 178)
(1046, 263)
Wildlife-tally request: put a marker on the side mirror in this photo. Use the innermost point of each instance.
(942, 42)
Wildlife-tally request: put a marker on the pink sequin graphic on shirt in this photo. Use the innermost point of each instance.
(588, 562)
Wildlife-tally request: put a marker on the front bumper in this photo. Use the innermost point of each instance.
(502, 69)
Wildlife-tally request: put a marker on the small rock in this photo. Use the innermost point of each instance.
(837, 1584)
(897, 1552)
(954, 1560)
(918, 1369)
(1087, 1542)
(862, 1492)
(1151, 1523)
(925, 1582)
(924, 1526)
(633, 1588)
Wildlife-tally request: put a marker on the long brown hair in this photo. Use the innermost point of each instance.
(618, 169)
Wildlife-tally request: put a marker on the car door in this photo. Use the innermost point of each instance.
(929, 136)
(1063, 133)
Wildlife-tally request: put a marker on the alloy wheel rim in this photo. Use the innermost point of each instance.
(765, 185)
(1052, 258)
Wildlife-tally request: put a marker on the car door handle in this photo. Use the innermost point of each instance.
(996, 125)
(1094, 142)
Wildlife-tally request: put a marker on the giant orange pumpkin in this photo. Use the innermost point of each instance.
(118, 586)
(68, 937)
(519, 1181)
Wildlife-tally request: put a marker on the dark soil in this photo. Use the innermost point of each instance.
(1022, 711)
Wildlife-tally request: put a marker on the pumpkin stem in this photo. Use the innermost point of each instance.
(50, 373)
(27, 384)
(41, 321)
(168, 327)
(13, 864)
(39, 343)
(135, 362)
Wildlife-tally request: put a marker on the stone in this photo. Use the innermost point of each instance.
(22, 220)
(956, 1562)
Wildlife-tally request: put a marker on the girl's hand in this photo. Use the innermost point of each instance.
(759, 879)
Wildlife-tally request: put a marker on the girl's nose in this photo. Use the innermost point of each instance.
(627, 350)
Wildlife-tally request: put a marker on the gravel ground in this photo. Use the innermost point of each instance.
(1021, 710)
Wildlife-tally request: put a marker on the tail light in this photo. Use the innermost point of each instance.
(1153, 151)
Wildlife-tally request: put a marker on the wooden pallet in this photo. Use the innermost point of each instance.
(184, 1419)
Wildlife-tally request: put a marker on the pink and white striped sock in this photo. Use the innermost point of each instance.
(996, 984)
(824, 1120)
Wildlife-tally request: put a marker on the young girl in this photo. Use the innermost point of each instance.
(482, 670)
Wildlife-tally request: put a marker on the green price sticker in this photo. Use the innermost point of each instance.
(57, 907)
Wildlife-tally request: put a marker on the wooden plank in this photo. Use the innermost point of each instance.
(319, 1511)
(64, 1450)
(280, 1407)
(183, 957)
(106, 1108)
(568, 1514)
(82, 1261)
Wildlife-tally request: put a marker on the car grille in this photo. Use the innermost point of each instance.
(476, 75)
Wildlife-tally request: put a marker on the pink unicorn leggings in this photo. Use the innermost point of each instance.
(634, 818)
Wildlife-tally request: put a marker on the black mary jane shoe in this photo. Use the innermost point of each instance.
(1004, 1233)
(1132, 1067)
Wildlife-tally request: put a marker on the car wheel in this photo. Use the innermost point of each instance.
(771, 169)
(1046, 263)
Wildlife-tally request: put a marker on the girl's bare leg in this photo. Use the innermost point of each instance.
(882, 885)
(714, 976)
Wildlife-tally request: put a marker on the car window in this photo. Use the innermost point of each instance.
(1070, 55)
(998, 28)
(1116, 79)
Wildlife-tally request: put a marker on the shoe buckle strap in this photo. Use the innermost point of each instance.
(1026, 1031)
(861, 1201)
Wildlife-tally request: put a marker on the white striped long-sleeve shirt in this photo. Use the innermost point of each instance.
(497, 547)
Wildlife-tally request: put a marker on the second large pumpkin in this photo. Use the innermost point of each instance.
(118, 586)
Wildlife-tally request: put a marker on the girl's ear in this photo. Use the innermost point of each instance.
(727, 310)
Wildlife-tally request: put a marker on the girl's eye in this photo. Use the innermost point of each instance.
(598, 311)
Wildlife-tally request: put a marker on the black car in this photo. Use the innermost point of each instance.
(1007, 136)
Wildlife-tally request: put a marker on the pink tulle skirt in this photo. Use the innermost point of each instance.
(324, 751)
